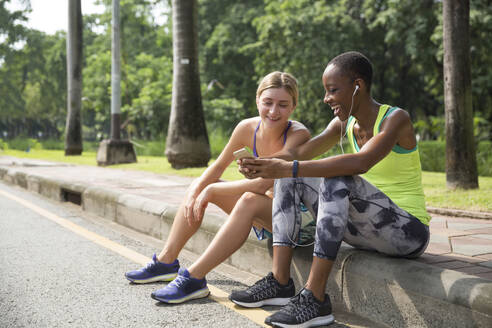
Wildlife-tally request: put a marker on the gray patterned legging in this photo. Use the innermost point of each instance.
(347, 208)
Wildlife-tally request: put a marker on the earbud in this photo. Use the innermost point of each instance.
(355, 90)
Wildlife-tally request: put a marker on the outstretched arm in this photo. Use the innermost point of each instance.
(314, 146)
(396, 127)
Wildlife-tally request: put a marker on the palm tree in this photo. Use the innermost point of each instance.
(461, 162)
(73, 130)
(187, 140)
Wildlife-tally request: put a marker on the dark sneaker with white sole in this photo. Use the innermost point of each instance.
(303, 311)
(266, 291)
(154, 271)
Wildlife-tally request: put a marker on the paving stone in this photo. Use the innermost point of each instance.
(485, 275)
(449, 232)
(473, 270)
(464, 258)
(471, 246)
(467, 225)
(489, 237)
(437, 218)
(484, 256)
(437, 238)
(467, 220)
(487, 231)
(454, 264)
(437, 223)
(431, 259)
(438, 248)
(487, 264)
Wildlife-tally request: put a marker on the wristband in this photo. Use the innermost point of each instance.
(295, 168)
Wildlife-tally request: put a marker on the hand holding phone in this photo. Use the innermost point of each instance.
(243, 153)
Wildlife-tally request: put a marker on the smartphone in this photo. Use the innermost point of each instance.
(243, 153)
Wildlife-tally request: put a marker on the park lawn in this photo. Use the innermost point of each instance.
(434, 183)
(144, 163)
(437, 195)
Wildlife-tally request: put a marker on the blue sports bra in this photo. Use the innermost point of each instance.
(255, 153)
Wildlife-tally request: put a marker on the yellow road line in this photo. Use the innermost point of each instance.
(256, 315)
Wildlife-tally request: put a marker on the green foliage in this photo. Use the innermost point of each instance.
(3, 145)
(222, 113)
(25, 144)
(482, 129)
(484, 158)
(301, 36)
(218, 140)
(433, 157)
(431, 128)
(149, 80)
(149, 148)
(434, 128)
(239, 42)
(225, 28)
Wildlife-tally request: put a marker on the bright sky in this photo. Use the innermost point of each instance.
(50, 16)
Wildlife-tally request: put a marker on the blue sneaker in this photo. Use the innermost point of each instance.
(182, 289)
(154, 271)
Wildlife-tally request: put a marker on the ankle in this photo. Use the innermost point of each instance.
(166, 259)
(281, 279)
(319, 294)
(195, 274)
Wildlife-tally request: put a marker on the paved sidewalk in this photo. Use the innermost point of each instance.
(449, 285)
(458, 243)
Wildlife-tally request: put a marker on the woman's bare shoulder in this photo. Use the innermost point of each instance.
(248, 123)
(246, 127)
(398, 118)
(298, 127)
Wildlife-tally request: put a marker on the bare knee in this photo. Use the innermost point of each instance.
(253, 207)
(248, 200)
(249, 203)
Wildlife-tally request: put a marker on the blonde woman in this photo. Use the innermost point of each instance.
(246, 201)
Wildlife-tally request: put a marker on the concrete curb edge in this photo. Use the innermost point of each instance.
(406, 288)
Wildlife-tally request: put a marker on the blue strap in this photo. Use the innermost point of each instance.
(254, 140)
(285, 132)
(255, 153)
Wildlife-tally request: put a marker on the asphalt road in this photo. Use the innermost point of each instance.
(52, 277)
(56, 272)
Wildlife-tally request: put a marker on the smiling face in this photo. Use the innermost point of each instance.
(339, 89)
(275, 106)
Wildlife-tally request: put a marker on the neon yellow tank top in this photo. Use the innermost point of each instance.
(398, 175)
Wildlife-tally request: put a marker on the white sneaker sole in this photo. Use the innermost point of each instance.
(315, 322)
(271, 301)
(164, 277)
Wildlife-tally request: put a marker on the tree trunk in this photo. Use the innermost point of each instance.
(461, 163)
(73, 130)
(187, 140)
(115, 71)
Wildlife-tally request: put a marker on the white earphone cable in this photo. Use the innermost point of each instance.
(342, 135)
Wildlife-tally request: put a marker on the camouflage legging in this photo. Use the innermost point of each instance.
(347, 208)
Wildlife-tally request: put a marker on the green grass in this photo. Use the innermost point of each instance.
(434, 183)
(145, 163)
(437, 195)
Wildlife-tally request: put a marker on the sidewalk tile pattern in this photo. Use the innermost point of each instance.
(460, 244)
